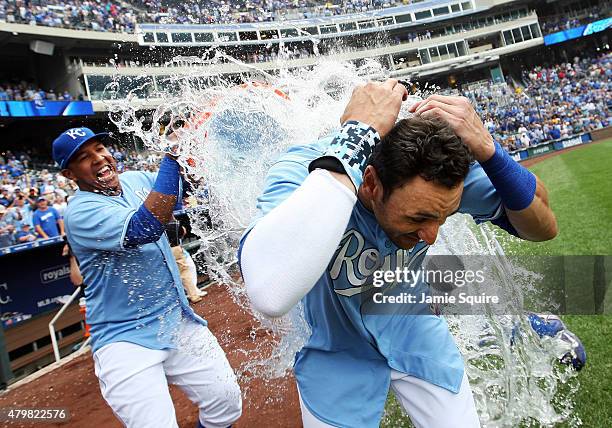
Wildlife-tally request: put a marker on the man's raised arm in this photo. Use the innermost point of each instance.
(147, 224)
(523, 195)
(287, 251)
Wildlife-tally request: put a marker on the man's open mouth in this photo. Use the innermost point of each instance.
(105, 174)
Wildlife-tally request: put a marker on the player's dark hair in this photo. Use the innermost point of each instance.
(418, 146)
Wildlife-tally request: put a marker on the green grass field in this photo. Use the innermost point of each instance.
(579, 184)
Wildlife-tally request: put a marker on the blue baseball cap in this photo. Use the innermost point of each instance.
(69, 142)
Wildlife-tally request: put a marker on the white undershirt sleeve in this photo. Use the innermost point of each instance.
(288, 250)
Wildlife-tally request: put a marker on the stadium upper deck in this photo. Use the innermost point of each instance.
(423, 38)
(117, 16)
(415, 13)
(304, 29)
(428, 37)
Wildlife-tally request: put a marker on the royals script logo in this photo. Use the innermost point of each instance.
(360, 263)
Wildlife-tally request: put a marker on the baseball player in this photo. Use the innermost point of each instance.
(372, 196)
(144, 333)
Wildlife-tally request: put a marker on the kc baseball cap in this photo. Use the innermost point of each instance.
(69, 142)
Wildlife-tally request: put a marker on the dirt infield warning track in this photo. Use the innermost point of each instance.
(74, 385)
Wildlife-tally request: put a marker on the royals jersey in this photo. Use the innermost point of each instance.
(343, 371)
(133, 294)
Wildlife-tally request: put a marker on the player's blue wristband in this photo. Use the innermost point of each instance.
(349, 151)
(514, 183)
(168, 177)
(143, 228)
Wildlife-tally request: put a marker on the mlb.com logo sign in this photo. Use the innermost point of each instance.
(54, 273)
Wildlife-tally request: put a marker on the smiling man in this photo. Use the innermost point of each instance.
(370, 197)
(144, 333)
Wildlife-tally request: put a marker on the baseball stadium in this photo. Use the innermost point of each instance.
(289, 213)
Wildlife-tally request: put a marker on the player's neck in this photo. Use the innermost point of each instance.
(115, 191)
(109, 192)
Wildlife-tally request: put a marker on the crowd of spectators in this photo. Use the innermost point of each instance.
(24, 91)
(219, 12)
(113, 15)
(554, 102)
(117, 16)
(97, 15)
(561, 22)
(31, 203)
(33, 200)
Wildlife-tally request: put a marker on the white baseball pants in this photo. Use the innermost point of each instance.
(427, 405)
(134, 381)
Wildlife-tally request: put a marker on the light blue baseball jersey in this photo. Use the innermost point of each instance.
(133, 294)
(343, 371)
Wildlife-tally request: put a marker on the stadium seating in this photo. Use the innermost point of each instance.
(24, 91)
(111, 15)
(551, 102)
(22, 178)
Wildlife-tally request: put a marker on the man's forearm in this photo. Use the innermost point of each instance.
(75, 273)
(288, 250)
(523, 195)
(537, 222)
(160, 205)
(147, 224)
(161, 200)
(41, 232)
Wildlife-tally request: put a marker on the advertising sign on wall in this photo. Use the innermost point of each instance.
(32, 281)
(45, 108)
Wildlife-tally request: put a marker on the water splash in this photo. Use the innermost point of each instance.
(236, 132)
(518, 382)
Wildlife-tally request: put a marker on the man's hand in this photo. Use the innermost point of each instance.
(536, 221)
(459, 113)
(172, 144)
(376, 104)
(40, 232)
